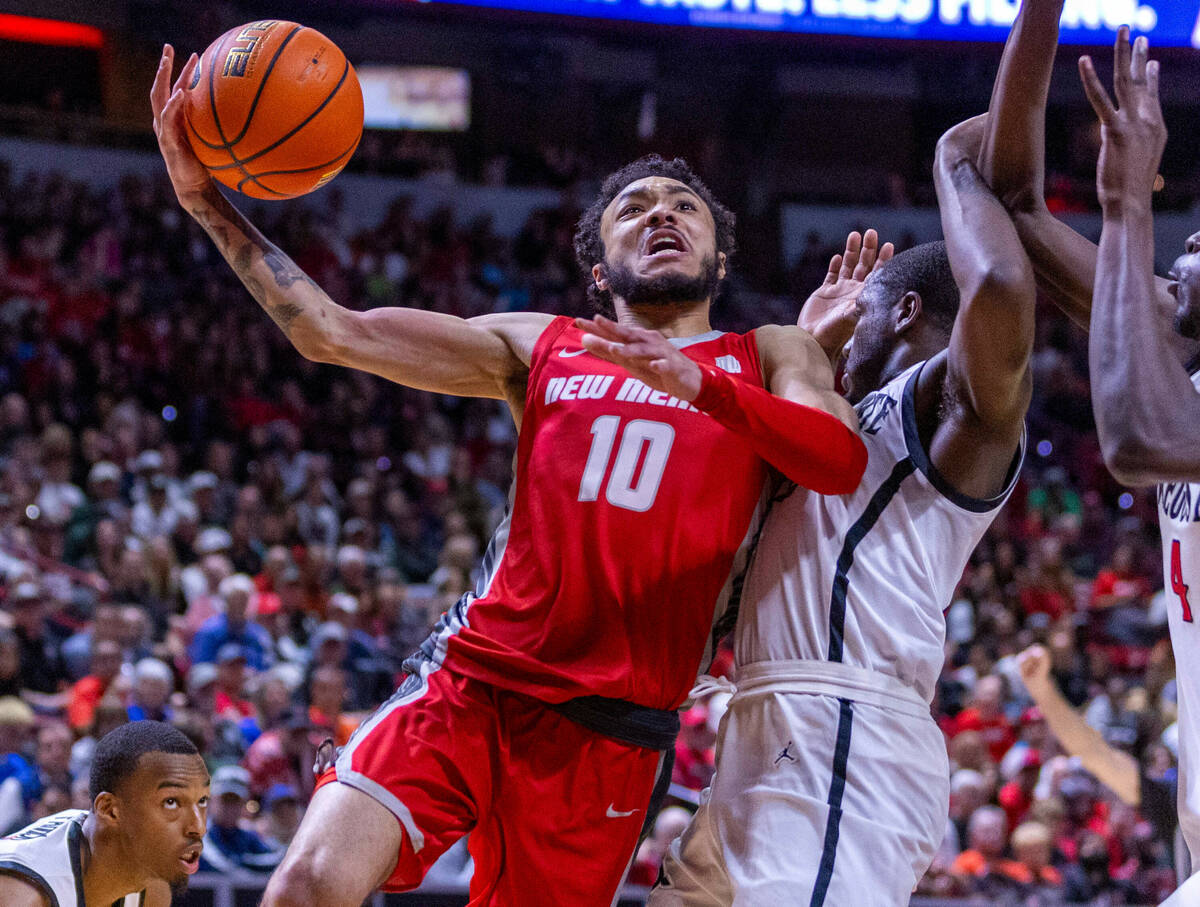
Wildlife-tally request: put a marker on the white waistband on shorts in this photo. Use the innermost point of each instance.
(831, 679)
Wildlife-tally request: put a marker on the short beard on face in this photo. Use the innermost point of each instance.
(178, 885)
(669, 289)
(1187, 324)
(867, 359)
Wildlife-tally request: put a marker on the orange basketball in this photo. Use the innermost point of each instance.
(274, 109)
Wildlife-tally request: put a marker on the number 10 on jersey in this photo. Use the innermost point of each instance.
(643, 443)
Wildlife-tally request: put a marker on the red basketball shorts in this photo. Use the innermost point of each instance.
(554, 808)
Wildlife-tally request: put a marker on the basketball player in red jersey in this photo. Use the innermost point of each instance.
(538, 714)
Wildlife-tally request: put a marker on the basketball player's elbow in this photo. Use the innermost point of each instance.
(1136, 463)
(1002, 281)
(845, 470)
(325, 338)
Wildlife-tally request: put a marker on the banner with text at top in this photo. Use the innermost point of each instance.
(1165, 22)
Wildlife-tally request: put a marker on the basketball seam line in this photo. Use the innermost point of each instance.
(238, 162)
(187, 109)
(263, 84)
(329, 163)
(212, 101)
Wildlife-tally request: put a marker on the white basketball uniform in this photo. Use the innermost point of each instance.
(48, 854)
(832, 782)
(1179, 525)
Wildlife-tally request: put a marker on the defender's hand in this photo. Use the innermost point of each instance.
(1034, 665)
(645, 354)
(1133, 133)
(188, 175)
(829, 314)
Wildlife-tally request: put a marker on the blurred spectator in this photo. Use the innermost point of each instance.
(233, 628)
(327, 694)
(229, 695)
(11, 678)
(229, 845)
(19, 782)
(1048, 586)
(53, 757)
(282, 810)
(1033, 849)
(986, 715)
(1017, 796)
(981, 866)
(42, 668)
(1087, 879)
(152, 685)
(79, 650)
(695, 755)
(283, 755)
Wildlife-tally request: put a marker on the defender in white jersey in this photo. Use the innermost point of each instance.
(140, 841)
(832, 782)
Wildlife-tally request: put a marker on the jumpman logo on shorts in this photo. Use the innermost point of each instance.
(784, 754)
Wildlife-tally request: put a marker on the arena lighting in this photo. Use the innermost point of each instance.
(49, 31)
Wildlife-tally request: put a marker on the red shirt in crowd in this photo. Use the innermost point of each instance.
(997, 733)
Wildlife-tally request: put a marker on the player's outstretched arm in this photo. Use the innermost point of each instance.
(484, 357)
(991, 344)
(1147, 412)
(1116, 770)
(1012, 158)
(801, 426)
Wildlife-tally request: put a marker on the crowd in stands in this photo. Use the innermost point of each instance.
(199, 526)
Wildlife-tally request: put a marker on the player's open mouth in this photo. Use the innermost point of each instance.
(664, 244)
(190, 860)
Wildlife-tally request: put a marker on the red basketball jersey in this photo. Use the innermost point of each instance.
(631, 512)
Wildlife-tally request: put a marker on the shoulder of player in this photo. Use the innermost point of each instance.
(18, 892)
(787, 344)
(787, 353)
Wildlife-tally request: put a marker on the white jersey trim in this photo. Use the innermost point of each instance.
(829, 678)
(921, 458)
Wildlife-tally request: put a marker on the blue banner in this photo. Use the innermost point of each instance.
(1165, 22)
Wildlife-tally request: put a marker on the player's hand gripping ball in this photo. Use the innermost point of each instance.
(274, 109)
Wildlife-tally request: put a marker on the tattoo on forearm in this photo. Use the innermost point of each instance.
(223, 222)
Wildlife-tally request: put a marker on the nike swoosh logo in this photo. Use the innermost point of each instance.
(615, 814)
(566, 354)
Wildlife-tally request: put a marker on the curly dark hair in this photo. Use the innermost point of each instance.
(589, 247)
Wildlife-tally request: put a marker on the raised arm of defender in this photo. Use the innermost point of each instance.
(988, 381)
(992, 341)
(1147, 411)
(483, 357)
